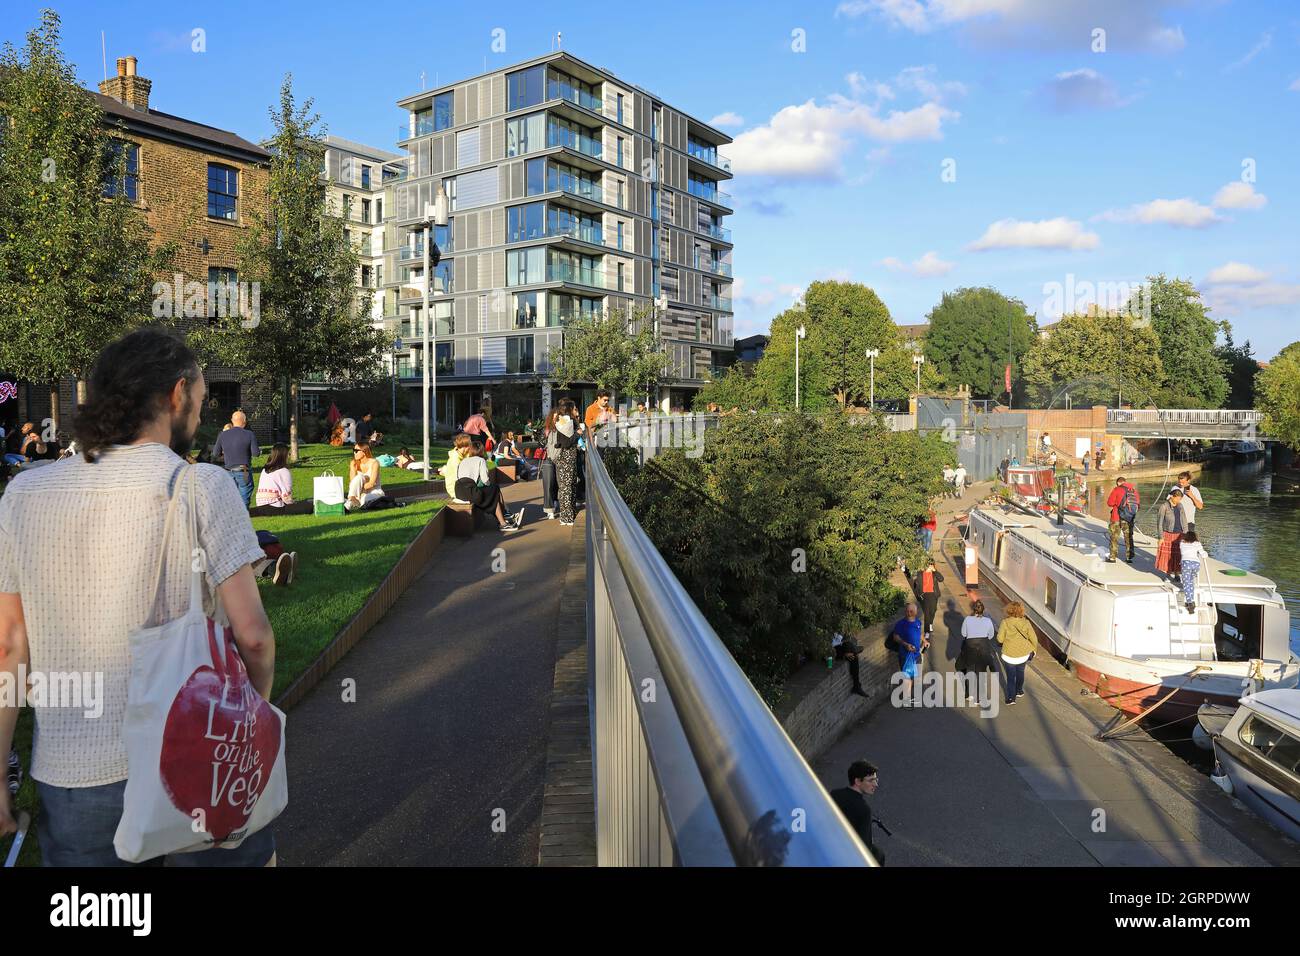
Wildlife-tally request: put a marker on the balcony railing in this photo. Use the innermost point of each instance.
(720, 302)
(560, 90)
(422, 128)
(560, 136)
(706, 776)
(564, 314)
(709, 156)
(574, 185)
(563, 272)
(717, 232)
(708, 193)
(717, 268)
(561, 225)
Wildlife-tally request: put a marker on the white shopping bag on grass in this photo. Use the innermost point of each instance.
(327, 493)
(205, 751)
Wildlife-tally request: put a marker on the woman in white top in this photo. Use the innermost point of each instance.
(474, 484)
(1193, 556)
(977, 654)
(275, 483)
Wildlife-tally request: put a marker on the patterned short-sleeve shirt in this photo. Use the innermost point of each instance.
(80, 542)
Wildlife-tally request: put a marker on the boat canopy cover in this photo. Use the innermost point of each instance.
(1277, 702)
(1031, 481)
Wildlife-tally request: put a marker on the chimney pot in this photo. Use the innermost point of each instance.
(130, 66)
(121, 66)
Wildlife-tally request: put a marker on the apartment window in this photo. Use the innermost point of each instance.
(525, 222)
(525, 88)
(128, 155)
(449, 187)
(526, 310)
(223, 293)
(223, 191)
(379, 210)
(619, 227)
(619, 110)
(444, 358)
(525, 134)
(444, 277)
(519, 355)
(619, 151)
(443, 112)
(444, 318)
(365, 210)
(423, 122)
(619, 190)
(366, 277)
(526, 266)
(620, 277)
(365, 177)
(535, 176)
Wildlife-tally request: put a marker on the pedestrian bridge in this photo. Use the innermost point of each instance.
(689, 765)
(1215, 424)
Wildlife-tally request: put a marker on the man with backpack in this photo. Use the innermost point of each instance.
(1123, 502)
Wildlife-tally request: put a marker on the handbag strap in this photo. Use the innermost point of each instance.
(192, 538)
(166, 538)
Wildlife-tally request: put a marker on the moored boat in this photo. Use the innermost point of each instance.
(1258, 757)
(1122, 627)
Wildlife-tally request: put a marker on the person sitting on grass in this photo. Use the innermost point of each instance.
(363, 479)
(475, 485)
(406, 461)
(508, 453)
(275, 483)
(279, 565)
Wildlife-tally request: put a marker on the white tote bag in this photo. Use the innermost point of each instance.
(205, 752)
(327, 493)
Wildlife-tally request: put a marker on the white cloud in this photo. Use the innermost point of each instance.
(727, 119)
(1084, 89)
(1058, 233)
(1295, 85)
(1235, 273)
(811, 140)
(1239, 195)
(1263, 44)
(1184, 213)
(926, 267)
(1129, 26)
(1232, 299)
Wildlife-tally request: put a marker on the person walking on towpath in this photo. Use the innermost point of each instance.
(926, 585)
(852, 801)
(1016, 635)
(1169, 519)
(1123, 502)
(977, 655)
(909, 641)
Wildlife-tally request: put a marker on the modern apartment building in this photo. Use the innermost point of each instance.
(572, 192)
(356, 176)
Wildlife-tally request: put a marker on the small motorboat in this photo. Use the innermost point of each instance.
(1211, 719)
(1257, 757)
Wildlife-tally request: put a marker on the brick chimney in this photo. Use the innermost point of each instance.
(126, 87)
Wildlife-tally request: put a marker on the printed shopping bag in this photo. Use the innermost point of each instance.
(327, 493)
(205, 751)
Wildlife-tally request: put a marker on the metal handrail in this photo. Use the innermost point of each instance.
(758, 783)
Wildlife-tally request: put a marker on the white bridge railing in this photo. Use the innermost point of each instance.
(1230, 417)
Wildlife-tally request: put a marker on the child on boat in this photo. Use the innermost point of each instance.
(1193, 556)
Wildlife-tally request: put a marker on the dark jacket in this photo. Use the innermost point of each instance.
(919, 581)
(855, 809)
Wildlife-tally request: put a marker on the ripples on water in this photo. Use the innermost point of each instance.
(1248, 521)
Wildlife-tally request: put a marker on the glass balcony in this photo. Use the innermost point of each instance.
(557, 89)
(721, 302)
(708, 154)
(564, 272)
(408, 369)
(422, 128)
(717, 232)
(709, 193)
(562, 313)
(560, 224)
(574, 185)
(717, 268)
(562, 136)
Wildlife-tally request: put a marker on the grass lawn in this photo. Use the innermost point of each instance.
(341, 560)
(314, 459)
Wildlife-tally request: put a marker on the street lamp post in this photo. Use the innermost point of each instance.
(799, 333)
(918, 360)
(435, 213)
(397, 345)
(872, 355)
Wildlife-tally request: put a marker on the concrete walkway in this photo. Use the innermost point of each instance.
(1031, 786)
(441, 759)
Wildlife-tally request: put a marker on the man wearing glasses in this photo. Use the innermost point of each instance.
(852, 801)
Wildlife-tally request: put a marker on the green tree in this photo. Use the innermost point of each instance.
(76, 267)
(1097, 359)
(973, 332)
(787, 527)
(1197, 375)
(306, 268)
(1242, 369)
(615, 351)
(1277, 395)
(734, 387)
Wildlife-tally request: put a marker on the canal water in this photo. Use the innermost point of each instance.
(1247, 521)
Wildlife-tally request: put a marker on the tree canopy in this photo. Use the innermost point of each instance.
(1197, 376)
(973, 332)
(615, 350)
(1277, 395)
(1096, 359)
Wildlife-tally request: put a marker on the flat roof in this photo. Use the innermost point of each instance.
(409, 101)
(370, 152)
(1093, 536)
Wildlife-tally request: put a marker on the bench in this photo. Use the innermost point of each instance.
(460, 519)
(504, 474)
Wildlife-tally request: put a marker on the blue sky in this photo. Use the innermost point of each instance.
(914, 145)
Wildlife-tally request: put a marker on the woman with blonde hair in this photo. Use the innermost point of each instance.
(1018, 640)
(363, 478)
(460, 449)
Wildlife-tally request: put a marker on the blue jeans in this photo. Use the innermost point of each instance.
(244, 482)
(1015, 679)
(77, 824)
(927, 537)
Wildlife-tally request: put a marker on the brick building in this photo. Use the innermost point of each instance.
(200, 189)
